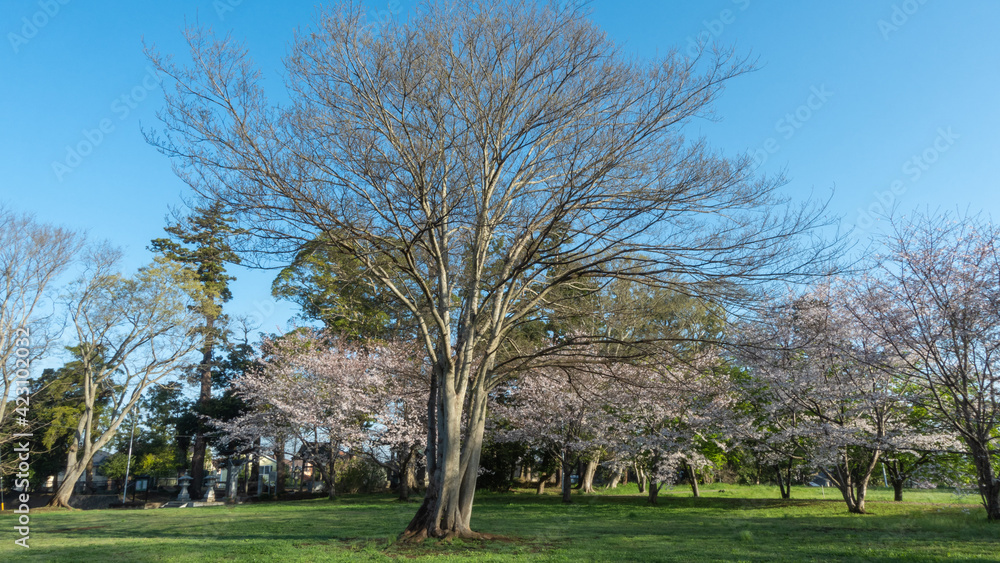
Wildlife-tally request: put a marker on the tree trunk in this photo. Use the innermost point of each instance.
(204, 396)
(253, 476)
(405, 469)
(280, 472)
(472, 449)
(567, 484)
(861, 492)
(853, 489)
(74, 469)
(413, 479)
(543, 478)
(640, 478)
(89, 486)
(197, 464)
(785, 480)
(654, 490)
(989, 484)
(252, 461)
(419, 526)
(441, 514)
(615, 478)
(588, 476)
(897, 490)
(331, 485)
(693, 478)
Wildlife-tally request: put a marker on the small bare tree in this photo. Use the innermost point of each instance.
(32, 256)
(478, 161)
(131, 333)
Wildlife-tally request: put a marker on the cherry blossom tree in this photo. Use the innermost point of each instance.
(767, 427)
(657, 419)
(934, 299)
(846, 390)
(397, 430)
(668, 418)
(561, 411)
(336, 397)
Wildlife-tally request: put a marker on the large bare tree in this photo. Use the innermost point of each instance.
(32, 256)
(485, 163)
(132, 331)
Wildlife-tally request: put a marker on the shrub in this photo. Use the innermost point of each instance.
(361, 475)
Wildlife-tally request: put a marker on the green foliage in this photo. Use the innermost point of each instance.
(360, 475)
(114, 466)
(155, 445)
(200, 243)
(497, 463)
(56, 406)
(330, 287)
(159, 464)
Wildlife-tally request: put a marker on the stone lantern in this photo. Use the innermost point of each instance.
(185, 480)
(209, 485)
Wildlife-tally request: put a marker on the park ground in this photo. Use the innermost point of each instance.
(729, 523)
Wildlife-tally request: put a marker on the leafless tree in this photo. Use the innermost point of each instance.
(131, 333)
(479, 160)
(32, 256)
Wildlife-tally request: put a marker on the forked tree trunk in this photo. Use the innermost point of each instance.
(445, 512)
(693, 478)
(76, 461)
(785, 480)
(640, 478)
(407, 476)
(542, 480)
(65, 491)
(853, 488)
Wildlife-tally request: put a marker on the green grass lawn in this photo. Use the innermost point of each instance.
(729, 523)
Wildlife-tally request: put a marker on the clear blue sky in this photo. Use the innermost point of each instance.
(846, 96)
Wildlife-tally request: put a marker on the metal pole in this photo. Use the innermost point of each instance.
(128, 462)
